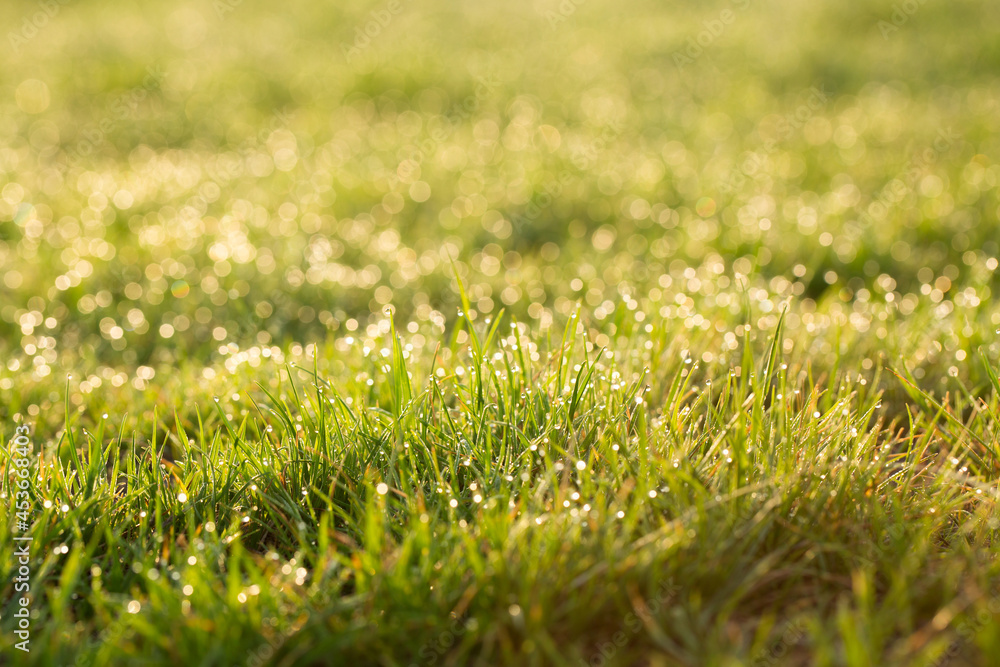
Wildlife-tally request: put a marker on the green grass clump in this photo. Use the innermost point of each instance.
(491, 498)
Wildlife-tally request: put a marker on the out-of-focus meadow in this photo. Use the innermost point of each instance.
(176, 176)
(193, 195)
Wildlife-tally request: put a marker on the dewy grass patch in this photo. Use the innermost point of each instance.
(495, 344)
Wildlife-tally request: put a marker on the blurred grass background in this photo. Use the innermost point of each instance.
(176, 176)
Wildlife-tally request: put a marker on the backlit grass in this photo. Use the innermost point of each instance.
(515, 334)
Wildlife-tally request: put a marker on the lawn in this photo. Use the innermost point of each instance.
(538, 333)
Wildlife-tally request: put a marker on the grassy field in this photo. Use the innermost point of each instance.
(537, 333)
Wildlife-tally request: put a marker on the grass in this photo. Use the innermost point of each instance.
(464, 502)
(522, 346)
